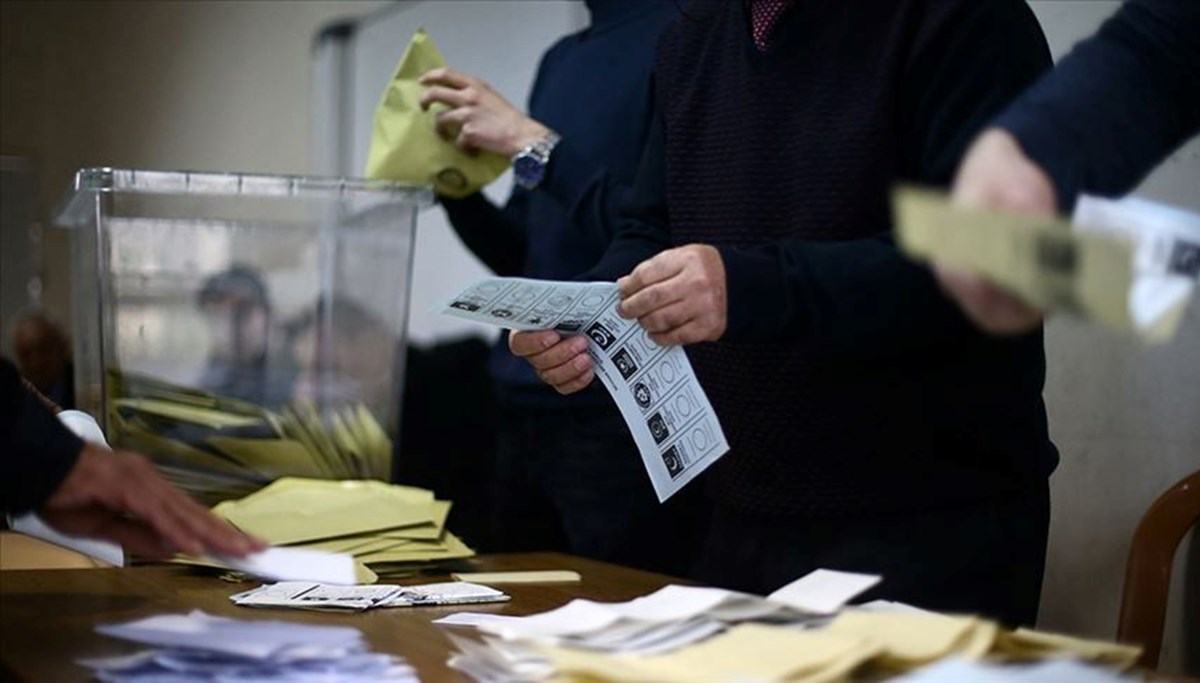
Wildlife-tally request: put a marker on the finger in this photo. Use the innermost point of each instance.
(665, 265)
(526, 344)
(567, 373)
(559, 354)
(450, 97)
(210, 531)
(449, 122)
(577, 384)
(97, 522)
(667, 317)
(653, 298)
(446, 76)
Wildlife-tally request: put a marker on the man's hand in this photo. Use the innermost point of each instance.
(996, 174)
(563, 363)
(477, 117)
(120, 497)
(679, 296)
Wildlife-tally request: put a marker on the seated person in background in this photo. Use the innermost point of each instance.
(872, 427)
(1111, 111)
(237, 307)
(345, 371)
(43, 356)
(83, 489)
(568, 475)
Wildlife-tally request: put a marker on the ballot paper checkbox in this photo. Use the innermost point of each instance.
(307, 595)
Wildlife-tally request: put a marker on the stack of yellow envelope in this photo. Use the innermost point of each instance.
(748, 652)
(1024, 644)
(219, 448)
(876, 645)
(390, 529)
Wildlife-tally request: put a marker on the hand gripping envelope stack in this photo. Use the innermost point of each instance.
(1128, 264)
(802, 632)
(658, 395)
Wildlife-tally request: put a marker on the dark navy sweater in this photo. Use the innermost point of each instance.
(593, 88)
(846, 383)
(1118, 104)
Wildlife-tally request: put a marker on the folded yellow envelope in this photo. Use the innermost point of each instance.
(404, 143)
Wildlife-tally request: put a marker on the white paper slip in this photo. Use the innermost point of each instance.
(294, 564)
(473, 619)
(654, 387)
(540, 576)
(824, 591)
(449, 593)
(574, 618)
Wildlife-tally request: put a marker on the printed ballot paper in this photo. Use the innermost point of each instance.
(1128, 264)
(306, 595)
(654, 387)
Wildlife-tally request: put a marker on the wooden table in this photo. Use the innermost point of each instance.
(47, 617)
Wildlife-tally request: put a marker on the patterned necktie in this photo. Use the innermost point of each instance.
(764, 17)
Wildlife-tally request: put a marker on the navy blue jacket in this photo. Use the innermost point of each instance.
(594, 89)
(1118, 104)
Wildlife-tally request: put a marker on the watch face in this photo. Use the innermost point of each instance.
(527, 170)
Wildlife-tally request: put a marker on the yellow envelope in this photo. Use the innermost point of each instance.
(1028, 644)
(404, 143)
(748, 652)
(910, 640)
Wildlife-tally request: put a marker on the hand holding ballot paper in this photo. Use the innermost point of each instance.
(1129, 264)
(654, 387)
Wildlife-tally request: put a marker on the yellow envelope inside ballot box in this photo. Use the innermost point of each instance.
(405, 145)
(748, 652)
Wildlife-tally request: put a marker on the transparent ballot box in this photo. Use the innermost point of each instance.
(237, 328)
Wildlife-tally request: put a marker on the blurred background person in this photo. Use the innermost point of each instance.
(237, 308)
(43, 355)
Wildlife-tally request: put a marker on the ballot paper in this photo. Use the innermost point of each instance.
(666, 410)
(823, 591)
(294, 564)
(1128, 264)
(200, 647)
(307, 595)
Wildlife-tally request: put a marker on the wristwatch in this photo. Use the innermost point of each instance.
(529, 165)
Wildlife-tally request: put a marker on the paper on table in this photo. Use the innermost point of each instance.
(473, 619)
(1130, 265)
(293, 564)
(957, 670)
(404, 140)
(823, 591)
(909, 640)
(539, 576)
(666, 410)
(750, 652)
(307, 595)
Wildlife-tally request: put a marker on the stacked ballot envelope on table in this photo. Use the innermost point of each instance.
(388, 529)
(682, 633)
(1128, 264)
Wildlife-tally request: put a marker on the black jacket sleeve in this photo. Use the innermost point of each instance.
(1118, 104)
(493, 234)
(36, 450)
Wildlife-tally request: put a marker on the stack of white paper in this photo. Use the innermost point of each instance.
(664, 621)
(307, 595)
(199, 647)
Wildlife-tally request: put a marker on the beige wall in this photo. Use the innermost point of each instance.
(174, 85)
